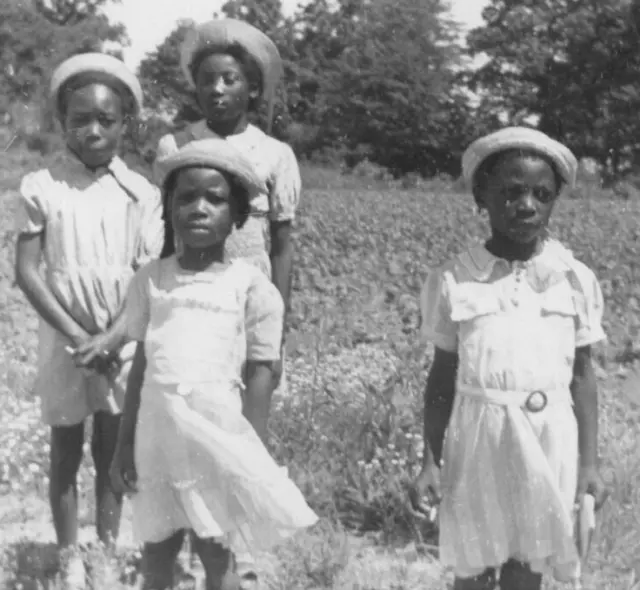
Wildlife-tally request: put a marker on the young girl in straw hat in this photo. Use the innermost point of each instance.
(511, 406)
(191, 446)
(94, 221)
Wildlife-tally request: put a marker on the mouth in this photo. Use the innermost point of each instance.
(197, 228)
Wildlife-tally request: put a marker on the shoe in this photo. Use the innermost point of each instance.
(249, 581)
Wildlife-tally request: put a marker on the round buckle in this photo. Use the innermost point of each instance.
(536, 402)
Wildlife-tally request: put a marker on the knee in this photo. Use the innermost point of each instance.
(66, 451)
(517, 574)
(484, 581)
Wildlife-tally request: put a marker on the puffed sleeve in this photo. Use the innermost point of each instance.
(32, 210)
(435, 313)
(284, 196)
(264, 320)
(590, 303)
(137, 303)
(151, 227)
(166, 146)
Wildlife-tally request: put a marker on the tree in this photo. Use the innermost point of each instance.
(571, 64)
(32, 45)
(391, 94)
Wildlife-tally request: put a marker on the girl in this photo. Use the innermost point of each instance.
(192, 452)
(512, 383)
(233, 67)
(94, 221)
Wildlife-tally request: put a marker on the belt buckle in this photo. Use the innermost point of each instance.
(536, 402)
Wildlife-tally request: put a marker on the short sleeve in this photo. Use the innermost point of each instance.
(166, 146)
(151, 228)
(436, 325)
(32, 207)
(590, 307)
(284, 196)
(137, 304)
(264, 320)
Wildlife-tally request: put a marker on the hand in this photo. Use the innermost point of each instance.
(96, 352)
(590, 482)
(123, 470)
(425, 492)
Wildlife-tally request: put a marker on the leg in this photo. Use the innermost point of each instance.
(484, 581)
(108, 503)
(158, 562)
(217, 563)
(516, 575)
(245, 566)
(65, 459)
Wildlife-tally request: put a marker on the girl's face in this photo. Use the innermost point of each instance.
(200, 208)
(93, 123)
(519, 195)
(223, 89)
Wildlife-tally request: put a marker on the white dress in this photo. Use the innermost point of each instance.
(98, 228)
(200, 464)
(510, 475)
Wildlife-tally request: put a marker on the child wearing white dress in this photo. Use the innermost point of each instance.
(94, 221)
(192, 447)
(511, 406)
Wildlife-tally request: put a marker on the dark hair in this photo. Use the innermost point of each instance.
(487, 167)
(249, 66)
(85, 79)
(239, 203)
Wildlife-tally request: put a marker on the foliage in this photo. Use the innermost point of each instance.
(33, 43)
(570, 63)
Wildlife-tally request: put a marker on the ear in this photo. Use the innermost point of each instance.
(254, 93)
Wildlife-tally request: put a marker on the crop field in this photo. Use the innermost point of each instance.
(350, 429)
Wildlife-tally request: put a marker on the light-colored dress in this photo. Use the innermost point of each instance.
(510, 475)
(200, 464)
(98, 228)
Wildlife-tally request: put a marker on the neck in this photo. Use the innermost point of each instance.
(201, 258)
(226, 128)
(504, 247)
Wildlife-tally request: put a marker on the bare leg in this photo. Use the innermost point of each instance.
(516, 575)
(485, 581)
(217, 563)
(65, 459)
(158, 562)
(108, 503)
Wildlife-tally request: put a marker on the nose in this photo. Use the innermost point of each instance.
(218, 87)
(93, 131)
(526, 206)
(198, 207)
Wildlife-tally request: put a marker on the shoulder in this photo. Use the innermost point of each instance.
(135, 182)
(580, 275)
(36, 184)
(166, 146)
(276, 148)
(261, 291)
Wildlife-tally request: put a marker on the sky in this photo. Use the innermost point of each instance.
(148, 22)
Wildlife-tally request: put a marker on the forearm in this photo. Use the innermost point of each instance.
(127, 431)
(584, 390)
(436, 419)
(117, 332)
(257, 400)
(281, 272)
(46, 305)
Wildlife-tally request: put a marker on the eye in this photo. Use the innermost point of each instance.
(543, 194)
(514, 192)
(106, 120)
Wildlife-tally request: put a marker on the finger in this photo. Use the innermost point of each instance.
(131, 481)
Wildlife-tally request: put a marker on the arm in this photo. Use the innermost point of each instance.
(257, 401)
(123, 469)
(438, 404)
(30, 281)
(584, 390)
(282, 262)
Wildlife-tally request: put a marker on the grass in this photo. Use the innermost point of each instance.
(351, 430)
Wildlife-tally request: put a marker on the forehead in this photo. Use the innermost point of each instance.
(218, 60)
(94, 96)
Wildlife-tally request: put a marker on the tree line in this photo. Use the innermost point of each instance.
(391, 81)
